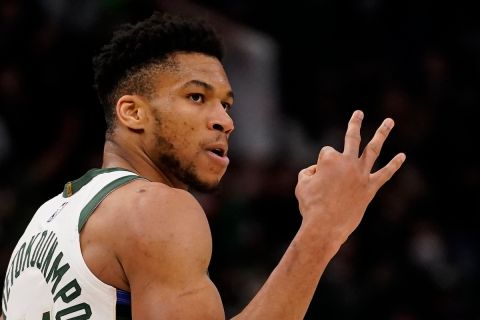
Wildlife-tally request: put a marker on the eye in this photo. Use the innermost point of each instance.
(197, 97)
(227, 106)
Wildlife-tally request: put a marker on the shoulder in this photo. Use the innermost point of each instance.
(159, 222)
(148, 196)
(164, 253)
(148, 205)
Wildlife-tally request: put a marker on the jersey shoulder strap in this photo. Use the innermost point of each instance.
(73, 187)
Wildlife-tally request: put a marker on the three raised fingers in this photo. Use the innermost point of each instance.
(373, 148)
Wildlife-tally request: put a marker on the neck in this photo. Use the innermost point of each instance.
(133, 158)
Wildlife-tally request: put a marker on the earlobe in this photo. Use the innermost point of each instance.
(130, 111)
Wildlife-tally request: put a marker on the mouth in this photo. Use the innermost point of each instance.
(218, 151)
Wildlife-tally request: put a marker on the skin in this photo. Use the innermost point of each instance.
(165, 247)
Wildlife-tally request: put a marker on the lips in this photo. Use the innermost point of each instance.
(218, 153)
(220, 149)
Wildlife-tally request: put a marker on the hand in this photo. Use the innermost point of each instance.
(334, 193)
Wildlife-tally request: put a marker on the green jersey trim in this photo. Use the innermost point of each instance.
(100, 196)
(73, 186)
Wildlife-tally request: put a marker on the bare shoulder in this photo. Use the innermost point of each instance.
(150, 219)
(160, 221)
(154, 241)
(150, 206)
(164, 251)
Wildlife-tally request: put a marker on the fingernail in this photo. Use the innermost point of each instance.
(403, 156)
(359, 114)
(389, 123)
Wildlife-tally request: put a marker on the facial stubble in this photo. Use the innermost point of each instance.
(169, 161)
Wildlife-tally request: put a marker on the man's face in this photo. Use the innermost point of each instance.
(191, 126)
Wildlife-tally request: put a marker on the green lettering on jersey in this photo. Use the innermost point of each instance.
(56, 272)
(44, 250)
(6, 289)
(19, 260)
(49, 258)
(66, 292)
(11, 269)
(37, 248)
(29, 249)
(87, 312)
(41, 257)
(4, 300)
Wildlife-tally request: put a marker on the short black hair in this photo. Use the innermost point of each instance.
(122, 66)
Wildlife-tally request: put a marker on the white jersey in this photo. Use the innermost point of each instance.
(47, 277)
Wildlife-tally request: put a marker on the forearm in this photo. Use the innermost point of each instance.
(288, 291)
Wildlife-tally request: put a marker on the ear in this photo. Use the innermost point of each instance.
(131, 111)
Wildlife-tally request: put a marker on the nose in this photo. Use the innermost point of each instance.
(221, 121)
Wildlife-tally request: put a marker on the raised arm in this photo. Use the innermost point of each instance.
(333, 196)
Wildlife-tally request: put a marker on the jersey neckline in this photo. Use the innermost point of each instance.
(72, 187)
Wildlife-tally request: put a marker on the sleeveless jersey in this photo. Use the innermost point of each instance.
(47, 277)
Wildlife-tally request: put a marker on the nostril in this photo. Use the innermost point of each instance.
(218, 127)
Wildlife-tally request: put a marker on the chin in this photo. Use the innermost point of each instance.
(204, 187)
(198, 178)
(213, 184)
(202, 183)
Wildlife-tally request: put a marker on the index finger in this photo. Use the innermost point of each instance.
(352, 136)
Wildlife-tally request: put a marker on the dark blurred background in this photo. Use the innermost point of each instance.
(298, 69)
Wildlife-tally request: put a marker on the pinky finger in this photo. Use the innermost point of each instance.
(384, 174)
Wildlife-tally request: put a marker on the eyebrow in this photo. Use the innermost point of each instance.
(206, 86)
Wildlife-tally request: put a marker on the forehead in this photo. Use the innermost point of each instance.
(186, 67)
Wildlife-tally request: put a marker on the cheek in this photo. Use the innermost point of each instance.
(183, 137)
(188, 127)
(181, 130)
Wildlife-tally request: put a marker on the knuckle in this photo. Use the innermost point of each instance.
(325, 151)
(374, 148)
(329, 155)
(354, 136)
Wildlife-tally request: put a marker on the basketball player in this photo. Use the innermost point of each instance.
(128, 240)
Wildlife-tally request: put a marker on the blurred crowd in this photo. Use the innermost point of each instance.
(298, 71)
